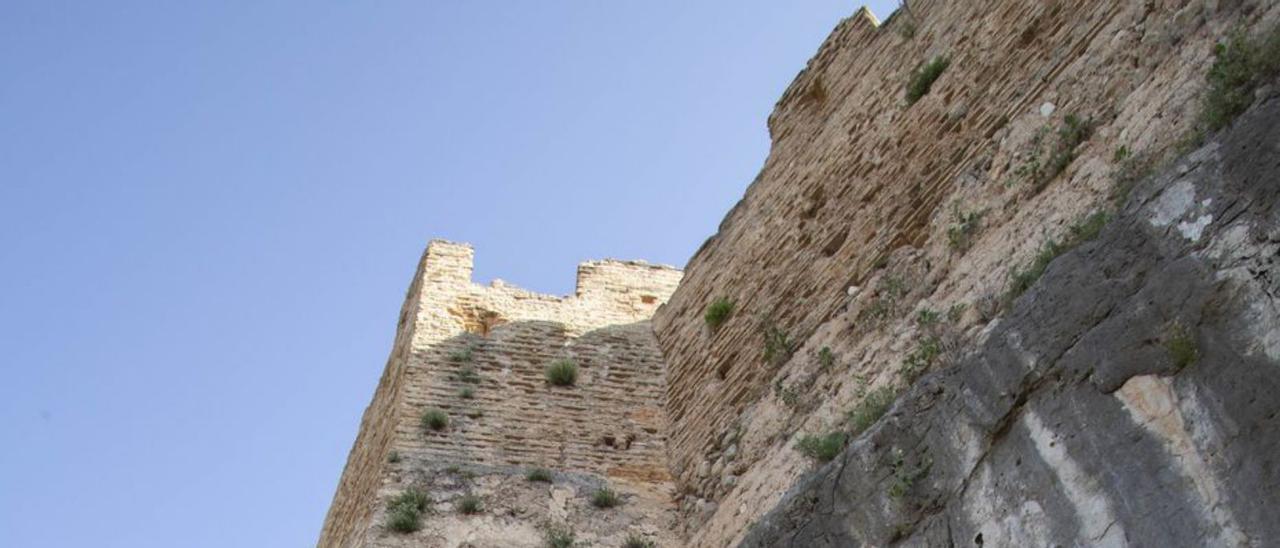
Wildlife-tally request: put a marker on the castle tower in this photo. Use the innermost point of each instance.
(477, 356)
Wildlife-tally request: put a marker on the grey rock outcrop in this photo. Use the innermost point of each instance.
(1072, 423)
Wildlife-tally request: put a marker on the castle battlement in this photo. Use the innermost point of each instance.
(478, 354)
(608, 291)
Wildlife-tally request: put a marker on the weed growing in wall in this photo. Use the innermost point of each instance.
(461, 356)
(905, 476)
(1071, 135)
(918, 361)
(873, 406)
(605, 497)
(1122, 153)
(789, 395)
(468, 375)
(562, 373)
(435, 420)
(963, 229)
(889, 294)
(559, 536)
(822, 447)
(403, 519)
(718, 312)
(777, 346)
(469, 505)
(924, 76)
(1240, 66)
(1087, 229)
(467, 393)
(404, 511)
(826, 358)
(927, 317)
(638, 541)
(1022, 278)
(1052, 151)
(393, 457)
(538, 475)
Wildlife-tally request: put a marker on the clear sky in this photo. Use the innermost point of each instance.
(210, 211)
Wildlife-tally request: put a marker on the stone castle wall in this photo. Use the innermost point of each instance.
(848, 232)
(853, 231)
(479, 353)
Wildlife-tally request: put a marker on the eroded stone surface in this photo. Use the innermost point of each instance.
(1104, 441)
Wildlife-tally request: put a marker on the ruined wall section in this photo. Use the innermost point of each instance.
(847, 232)
(479, 355)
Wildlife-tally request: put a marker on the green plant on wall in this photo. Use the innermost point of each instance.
(1239, 67)
(821, 447)
(404, 511)
(435, 420)
(924, 76)
(562, 373)
(873, 406)
(605, 497)
(777, 346)
(718, 312)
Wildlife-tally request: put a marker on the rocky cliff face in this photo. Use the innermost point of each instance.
(1129, 398)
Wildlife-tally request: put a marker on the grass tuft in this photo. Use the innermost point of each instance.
(541, 475)
(918, 361)
(718, 312)
(404, 511)
(468, 375)
(1241, 65)
(1022, 278)
(777, 346)
(435, 420)
(961, 232)
(821, 447)
(871, 408)
(469, 505)
(559, 536)
(826, 358)
(460, 356)
(927, 317)
(638, 541)
(562, 373)
(403, 520)
(905, 476)
(924, 76)
(605, 497)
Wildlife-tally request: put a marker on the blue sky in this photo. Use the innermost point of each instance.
(209, 213)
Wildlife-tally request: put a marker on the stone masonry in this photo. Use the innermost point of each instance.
(479, 354)
(846, 235)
